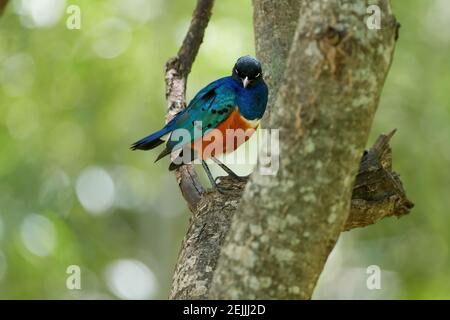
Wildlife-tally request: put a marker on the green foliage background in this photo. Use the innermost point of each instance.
(68, 109)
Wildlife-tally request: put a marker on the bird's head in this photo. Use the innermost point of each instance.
(247, 70)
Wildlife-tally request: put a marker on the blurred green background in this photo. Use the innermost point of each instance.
(71, 193)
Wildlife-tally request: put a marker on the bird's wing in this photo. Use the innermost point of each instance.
(210, 107)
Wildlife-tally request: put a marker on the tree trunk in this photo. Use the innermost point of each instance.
(288, 224)
(325, 70)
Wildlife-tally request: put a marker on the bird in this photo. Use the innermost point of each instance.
(230, 105)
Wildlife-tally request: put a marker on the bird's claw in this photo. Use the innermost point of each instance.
(222, 190)
(233, 177)
(239, 178)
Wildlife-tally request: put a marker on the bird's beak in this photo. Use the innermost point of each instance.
(245, 82)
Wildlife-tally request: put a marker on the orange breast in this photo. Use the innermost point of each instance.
(227, 137)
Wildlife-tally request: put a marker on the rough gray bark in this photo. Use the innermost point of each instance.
(285, 226)
(274, 25)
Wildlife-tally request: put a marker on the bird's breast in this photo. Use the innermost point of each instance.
(249, 124)
(227, 137)
(240, 122)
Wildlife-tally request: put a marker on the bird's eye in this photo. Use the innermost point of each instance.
(258, 75)
(237, 72)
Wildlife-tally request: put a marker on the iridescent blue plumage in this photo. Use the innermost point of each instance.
(213, 105)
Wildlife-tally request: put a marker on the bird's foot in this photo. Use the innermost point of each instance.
(230, 172)
(239, 178)
(233, 177)
(229, 184)
(220, 188)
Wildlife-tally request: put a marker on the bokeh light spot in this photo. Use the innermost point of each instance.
(140, 11)
(95, 190)
(436, 20)
(42, 13)
(38, 235)
(111, 38)
(17, 74)
(23, 119)
(56, 192)
(131, 279)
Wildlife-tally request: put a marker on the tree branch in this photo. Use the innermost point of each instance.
(177, 71)
(378, 192)
(3, 4)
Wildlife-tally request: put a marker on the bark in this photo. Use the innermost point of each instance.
(3, 4)
(378, 191)
(274, 27)
(271, 239)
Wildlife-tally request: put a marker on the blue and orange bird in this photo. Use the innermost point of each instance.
(223, 106)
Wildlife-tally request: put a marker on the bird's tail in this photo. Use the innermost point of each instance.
(151, 141)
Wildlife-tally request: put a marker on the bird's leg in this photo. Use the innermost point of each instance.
(210, 177)
(228, 170)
